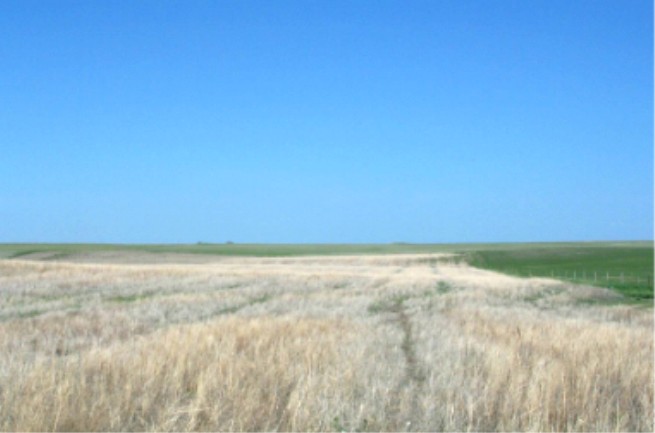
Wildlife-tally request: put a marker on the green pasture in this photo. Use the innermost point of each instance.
(226, 249)
(625, 267)
(256, 250)
(280, 250)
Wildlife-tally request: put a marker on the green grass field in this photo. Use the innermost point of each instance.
(257, 250)
(624, 266)
(282, 250)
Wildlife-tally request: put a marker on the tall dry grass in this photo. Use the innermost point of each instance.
(405, 343)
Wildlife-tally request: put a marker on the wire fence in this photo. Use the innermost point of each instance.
(600, 278)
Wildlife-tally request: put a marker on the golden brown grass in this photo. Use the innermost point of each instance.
(402, 343)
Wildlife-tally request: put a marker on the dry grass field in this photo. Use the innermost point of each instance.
(165, 342)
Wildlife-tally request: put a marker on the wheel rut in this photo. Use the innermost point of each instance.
(413, 371)
(414, 376)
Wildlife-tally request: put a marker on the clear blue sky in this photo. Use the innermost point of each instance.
(326, 121)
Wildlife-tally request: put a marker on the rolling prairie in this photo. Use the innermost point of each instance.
(116, 341)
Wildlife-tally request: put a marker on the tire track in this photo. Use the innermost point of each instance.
(414, 376)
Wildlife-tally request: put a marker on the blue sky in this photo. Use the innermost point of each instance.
(326, 121)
